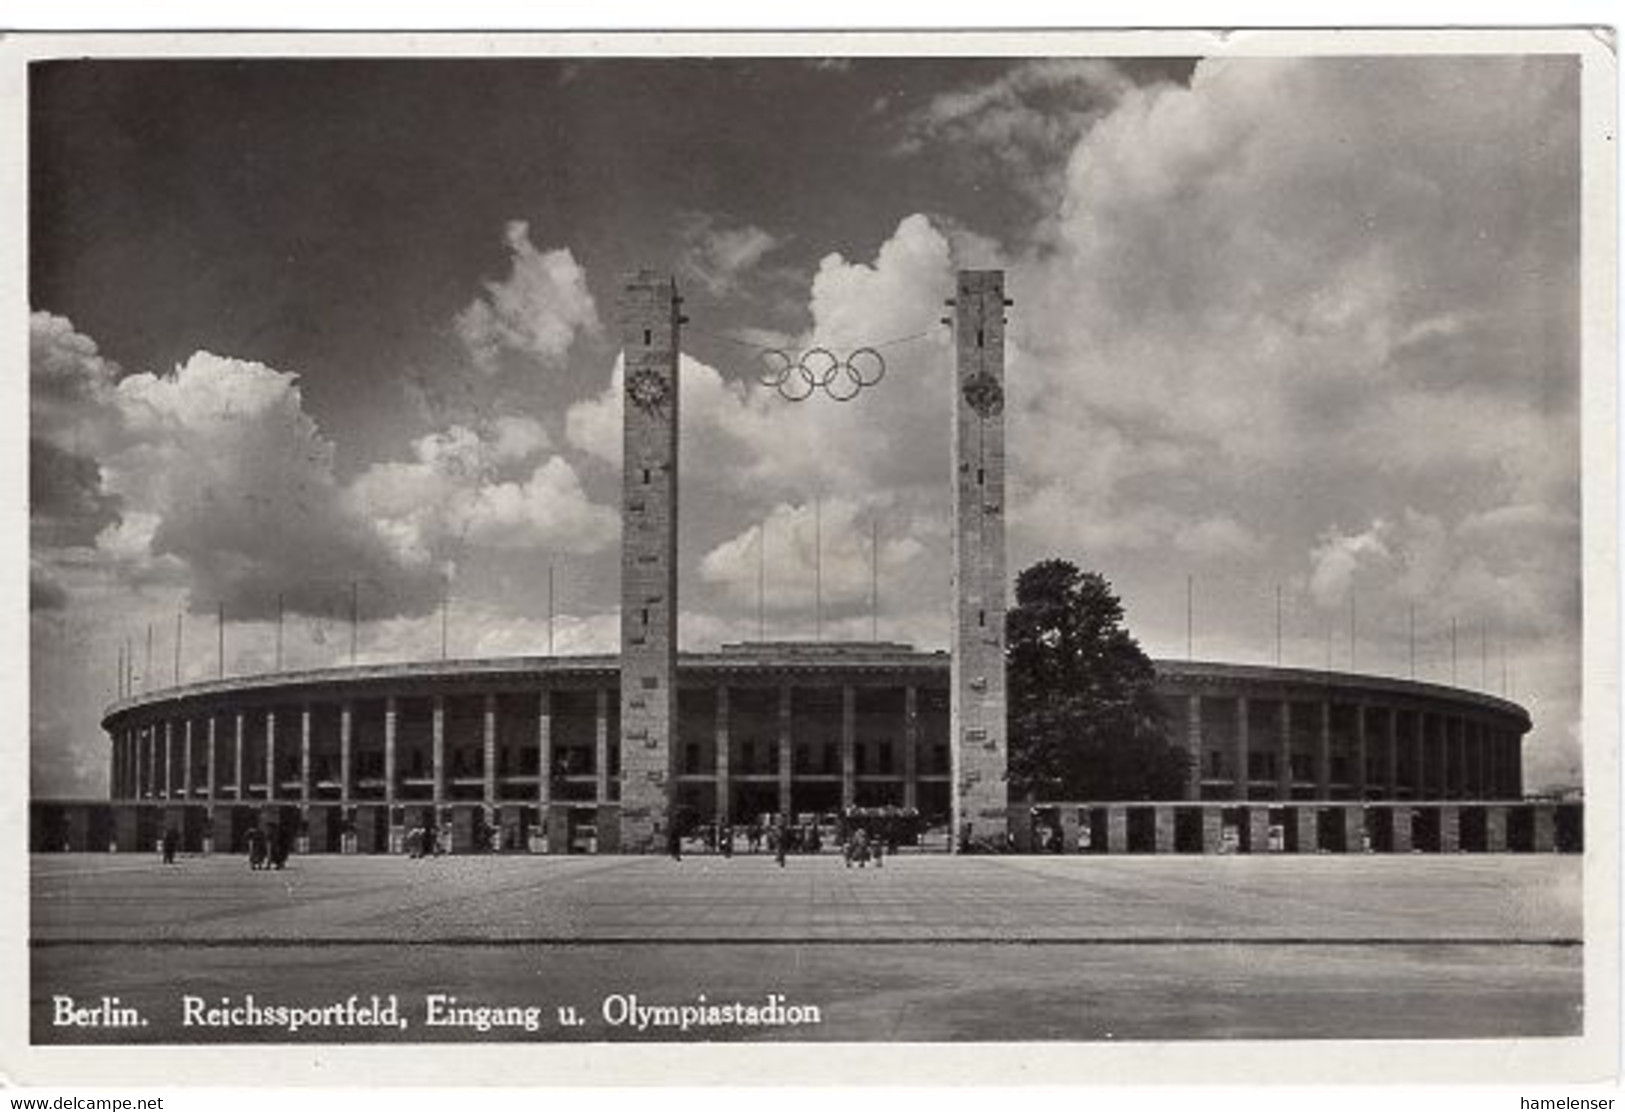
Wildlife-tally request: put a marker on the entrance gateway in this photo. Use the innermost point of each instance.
(651, 320)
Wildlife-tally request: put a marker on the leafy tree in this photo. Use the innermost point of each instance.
(1085, 722)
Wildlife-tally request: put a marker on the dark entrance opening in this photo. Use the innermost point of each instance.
(1425, 830)
(1474, 830)
(1142, 829)
(1187, 830)
(1570, 828)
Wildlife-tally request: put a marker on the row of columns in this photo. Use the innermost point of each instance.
(145, 758)
(1350, 831)
(1458, 756)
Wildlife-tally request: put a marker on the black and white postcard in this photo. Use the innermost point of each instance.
(668, 552)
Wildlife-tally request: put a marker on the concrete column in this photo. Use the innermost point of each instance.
(213, 788)
(169, 759)
(911, 746)
(1242, 777)
(1116, 829)
(1449, 829)
(270, 755)
(544, 749)
(1471, 786)
(977, 681)
(650, 320)
(1495, 829)
(1514, 745)
(1323, 753)
(1419, 742)
(1360, 751)
(1545, 828)
(600, 746)
(237, 759)
(346, 749)
(304, 753)
(849, 785)
(1283, 752)
(437, 750)
(784, 749)
(1353, 829)
(1258, 830)
(1390, 771)
(1307, 822)
(489, 791)
(1400, 826)
(1452, 757)
(1164, 829)
(723, 744)
(391, 713)
(1193, 745)
(1070, 827)
(1212, 829)
(1463, 772)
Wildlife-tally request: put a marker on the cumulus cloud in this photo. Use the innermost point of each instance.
(718, 256)
(796, 547)
(452, 494)
(537, 311)
(1022, 117)
(239, 483)
(1339, 557)
(1278, 281)
(215, 476)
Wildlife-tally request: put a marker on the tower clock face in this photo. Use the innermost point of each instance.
(647, 389)
(984, 394)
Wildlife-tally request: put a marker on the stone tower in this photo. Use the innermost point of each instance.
(650, 322)
(978, 695)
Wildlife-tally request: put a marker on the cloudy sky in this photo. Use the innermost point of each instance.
(1298, 325)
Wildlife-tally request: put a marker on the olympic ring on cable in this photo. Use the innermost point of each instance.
(798, 376)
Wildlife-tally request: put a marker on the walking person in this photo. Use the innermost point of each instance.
(171, 838)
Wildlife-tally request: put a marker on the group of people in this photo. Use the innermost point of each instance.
(268, 849)
(423, 841)
(858, 847)
(860, 850)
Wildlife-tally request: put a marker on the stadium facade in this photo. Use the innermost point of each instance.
(608, 753)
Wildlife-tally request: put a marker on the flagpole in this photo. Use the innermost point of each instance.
(1190, 616)
(818, 567)
(874, 578)
(1277, 625)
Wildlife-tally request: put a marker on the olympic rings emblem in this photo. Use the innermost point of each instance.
(798, 377)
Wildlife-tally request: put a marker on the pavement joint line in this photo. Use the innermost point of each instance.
(474, 941)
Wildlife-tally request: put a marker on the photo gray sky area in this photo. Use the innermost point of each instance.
(1307, 324)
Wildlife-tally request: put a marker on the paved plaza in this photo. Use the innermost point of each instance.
(926, 948)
